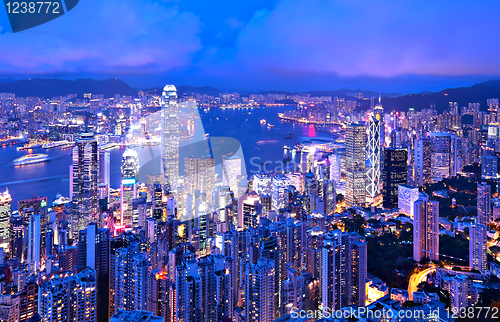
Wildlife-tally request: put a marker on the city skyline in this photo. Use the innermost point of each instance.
(249, 161)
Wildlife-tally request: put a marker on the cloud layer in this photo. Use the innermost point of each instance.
(247, 42)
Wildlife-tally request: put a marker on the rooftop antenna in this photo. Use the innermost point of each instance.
(379, 97)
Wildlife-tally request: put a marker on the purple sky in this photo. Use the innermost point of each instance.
(392, 46)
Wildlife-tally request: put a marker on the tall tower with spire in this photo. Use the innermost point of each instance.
(378, 113)
(170, 138)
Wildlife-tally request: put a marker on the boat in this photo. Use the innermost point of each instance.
(289, 136)
(31, 146)
(263, 122)
(31, 158)
(50, 145)
(269, 125)
(60, 200)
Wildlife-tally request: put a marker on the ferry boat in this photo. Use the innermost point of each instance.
(31, 146)
(60, 200)
(269, 125)
(263, 122)
(31, 158)
(50, 145)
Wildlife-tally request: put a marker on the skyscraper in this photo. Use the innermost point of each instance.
(355, 189)
(478, 232)
(279, 198)
(5, 203)
(170, 138)
(260, 291)
(394, 174)
(104, 167)
(231, 172)
(343, 270)
(423, 155)
(85, 181)
(478, 247)
(199, 174)
(484, 215)
(191, 176)
(34, 247)
(69, 298)
(93, 252)
(373, 160)
(444, 154)
(378, 113)
(129, 174)
(425, 228)
(130, 279)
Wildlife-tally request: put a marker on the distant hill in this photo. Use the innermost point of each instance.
(344, 92)
(463, 96)
(50, 87)
(183, 90)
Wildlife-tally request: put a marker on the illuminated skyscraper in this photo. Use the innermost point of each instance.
(34, 247)
(170, 138)
(378, 113)
(444, 154)
(373, 160)
(355, 189)
(279, 185)
(199, 174)
(484, 215)
(394, 174)
(478, 232)
(260, 291)
(231, 172)
(69, 298)
(5, 203)
(343, 270)
(252, 210)
(85, 181)
(16, 236)
(191, 177)
(478, 246)
(129, 171)
(423, 155)
(425, 228)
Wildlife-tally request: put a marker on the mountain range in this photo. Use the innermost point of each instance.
(51, 87)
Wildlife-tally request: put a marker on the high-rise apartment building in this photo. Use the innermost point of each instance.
(484, 215)
(343, 270)
(130, 279)
(170, 138)
(355, 189)
(478, 247)
(260, 290)
(69, 298)
(425, 228)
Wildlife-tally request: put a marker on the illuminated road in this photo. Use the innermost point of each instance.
(418, 278)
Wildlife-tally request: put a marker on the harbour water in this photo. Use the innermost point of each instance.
(261, 146)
